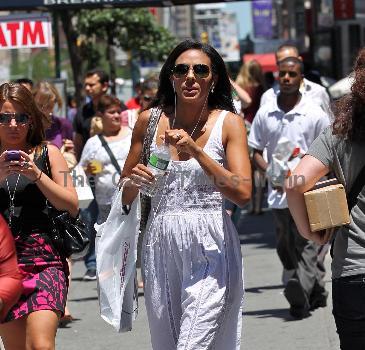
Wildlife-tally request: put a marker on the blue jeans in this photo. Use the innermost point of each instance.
(348, 294)
(90, 215)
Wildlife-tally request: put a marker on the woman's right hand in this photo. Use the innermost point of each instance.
(140, 175)
(5, 169)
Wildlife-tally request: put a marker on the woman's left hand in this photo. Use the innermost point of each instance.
(322, 237)
(183, 142)
(25, 166)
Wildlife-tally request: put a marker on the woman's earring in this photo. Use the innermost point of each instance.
(212, 89)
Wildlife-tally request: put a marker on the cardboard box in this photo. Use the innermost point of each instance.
(327, 207)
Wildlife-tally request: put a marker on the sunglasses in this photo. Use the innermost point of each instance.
(20, 118)
(147, 98)
(200, 70)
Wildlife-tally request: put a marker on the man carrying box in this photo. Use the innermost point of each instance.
(294, 117)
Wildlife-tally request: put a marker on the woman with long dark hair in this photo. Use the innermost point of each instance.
(192, 263)
(31, 173)
(340, 149)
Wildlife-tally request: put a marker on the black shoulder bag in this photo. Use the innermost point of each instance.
(69, 235)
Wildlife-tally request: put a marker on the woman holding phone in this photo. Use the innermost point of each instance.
(32, 172)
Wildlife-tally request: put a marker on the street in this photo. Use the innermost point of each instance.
(267, 324)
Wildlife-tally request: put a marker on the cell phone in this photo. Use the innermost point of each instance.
(12, 155)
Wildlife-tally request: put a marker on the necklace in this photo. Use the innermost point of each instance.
(12, 197)
(199, 119)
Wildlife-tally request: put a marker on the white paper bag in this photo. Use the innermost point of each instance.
(82, 187)
(116, 254)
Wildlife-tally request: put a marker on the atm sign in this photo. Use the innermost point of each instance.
(25, 32)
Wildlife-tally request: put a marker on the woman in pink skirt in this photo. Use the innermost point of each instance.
(31, 173)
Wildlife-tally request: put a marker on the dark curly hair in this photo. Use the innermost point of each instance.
(221, 97)
(349, 111)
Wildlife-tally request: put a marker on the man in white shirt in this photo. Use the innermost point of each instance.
(315, 92)
(292, 116)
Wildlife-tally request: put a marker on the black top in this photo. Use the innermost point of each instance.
(82, 121)
(30, 213)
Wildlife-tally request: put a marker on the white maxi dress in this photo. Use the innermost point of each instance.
(192, 263)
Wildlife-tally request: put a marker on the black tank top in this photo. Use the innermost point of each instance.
(30, 214)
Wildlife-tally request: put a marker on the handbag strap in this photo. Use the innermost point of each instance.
(150, 133)
(45, 161)
(145, 155)
(356, 188)
(47, 164)
(110, 153)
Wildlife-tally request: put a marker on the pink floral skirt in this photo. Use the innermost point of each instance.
(45, 276)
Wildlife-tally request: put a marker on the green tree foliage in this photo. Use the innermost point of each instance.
(133, 30)
(128, 29)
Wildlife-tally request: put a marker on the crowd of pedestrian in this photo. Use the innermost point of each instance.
(226, 140)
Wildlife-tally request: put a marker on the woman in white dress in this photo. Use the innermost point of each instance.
(192, 258)
(97, 161)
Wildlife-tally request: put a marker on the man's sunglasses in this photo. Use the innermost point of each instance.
(200, 70)
(147, 98)
(20, 118)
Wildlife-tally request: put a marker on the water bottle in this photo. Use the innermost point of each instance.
(158, 163)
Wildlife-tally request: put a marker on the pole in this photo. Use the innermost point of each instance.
(56, 45)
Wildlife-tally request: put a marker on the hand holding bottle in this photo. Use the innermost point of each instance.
(156, 169)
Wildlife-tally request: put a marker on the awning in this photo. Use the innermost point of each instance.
(266, 60)
(6, 5)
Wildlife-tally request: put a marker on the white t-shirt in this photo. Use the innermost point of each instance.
(107, 180)
(301, 125)
(315, 92)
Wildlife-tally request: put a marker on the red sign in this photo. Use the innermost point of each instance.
(25, 31)
(344, 9)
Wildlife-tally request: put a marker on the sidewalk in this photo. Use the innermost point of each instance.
(267, 324)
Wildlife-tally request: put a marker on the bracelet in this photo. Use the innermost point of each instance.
(123, 181)
(38, 178)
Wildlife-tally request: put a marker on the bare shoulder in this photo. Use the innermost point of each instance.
(56, 158)
(233, 120)
(142, 122)
(144, 117)
(233, 128)
(53, 151)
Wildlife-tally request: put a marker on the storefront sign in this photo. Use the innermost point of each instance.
(25, 31)
(32, 4)
(344, 9)
(262, 18)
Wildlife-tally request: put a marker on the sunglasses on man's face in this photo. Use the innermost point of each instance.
(147, 98)
(200, 70)
(20, 118)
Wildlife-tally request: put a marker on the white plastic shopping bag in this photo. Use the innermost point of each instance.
(116, 254)
(82, 187)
